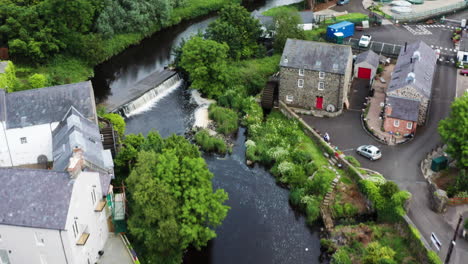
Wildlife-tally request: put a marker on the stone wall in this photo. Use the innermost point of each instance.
(306, 97)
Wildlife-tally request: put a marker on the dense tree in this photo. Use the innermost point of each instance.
(120, 16)
(205, 61)
(454, 131)
(388, 189)
(170, 186)
(236, 27)
(286, 26)
(341, 257)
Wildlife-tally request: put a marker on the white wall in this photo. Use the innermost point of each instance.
(5, 160)
(25, 248)
(364, 65)
(82, 207)
(460, 55)
(39, 142)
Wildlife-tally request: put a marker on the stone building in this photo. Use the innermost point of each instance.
(366, 64)
(315, 76)
(401, 115)
(412, 79)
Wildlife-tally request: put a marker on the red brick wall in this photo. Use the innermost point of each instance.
(389, 126)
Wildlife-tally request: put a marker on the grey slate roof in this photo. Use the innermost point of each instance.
(463, 45)
(77, 131)
(3, 65)
(50, 104)
(34, 198)
(2, 105)
(307, 17)
(403, 108)
(423, 69)
(317, 56)
(368, 56)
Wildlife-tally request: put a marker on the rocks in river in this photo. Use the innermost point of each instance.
(249, 163)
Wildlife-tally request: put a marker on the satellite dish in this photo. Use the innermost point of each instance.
(331, 108)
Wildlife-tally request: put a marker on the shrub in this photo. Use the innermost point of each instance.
(321, 182)
(380, 69)
(433, 258)
(312, 210)
(341, 257)
(117, 122)
(328, 245)
(295, 197)
(353, 161)
(226, 119)
(209, 143)
(37, 80)
(388, 189)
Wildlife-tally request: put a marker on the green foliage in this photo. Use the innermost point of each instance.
(328, 245)
(225, 118)
(295, 197)
(376, 254)
(460, 188)
(465, 225)
(236, 27)
(37, 80)
(205, 61)
(388, 189)
(210, 143)
(341, 257)
(284, 8)
(117, 122)
(353, 161)
(286, 27)
(312, 210)
(189, 9)
(380, 69)
(454, 131)
(8, 79)
(351, 17)
(344, 211)
(172, 199)
(317, 34)
(433, 258)
(321, 183)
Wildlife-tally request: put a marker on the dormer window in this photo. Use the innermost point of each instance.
(335, 66)
(318, 63)
(23, 140)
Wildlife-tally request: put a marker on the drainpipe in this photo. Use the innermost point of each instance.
(63, 247)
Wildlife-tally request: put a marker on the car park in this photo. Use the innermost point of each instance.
(369, 151)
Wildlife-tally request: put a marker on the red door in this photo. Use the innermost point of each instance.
(364, 73)
(319, 102)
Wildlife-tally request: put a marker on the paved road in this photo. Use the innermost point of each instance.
(401, 163)
(354, 6)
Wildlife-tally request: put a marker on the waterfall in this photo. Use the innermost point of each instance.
(150, 98)
(201, 113)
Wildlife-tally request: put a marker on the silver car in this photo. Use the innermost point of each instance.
(369, 151)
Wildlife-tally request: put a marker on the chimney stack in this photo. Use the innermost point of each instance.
(76, 164)
(411, 60)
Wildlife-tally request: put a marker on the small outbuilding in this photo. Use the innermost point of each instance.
(366, 64)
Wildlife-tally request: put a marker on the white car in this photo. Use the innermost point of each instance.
(365, 41)
(369, 151)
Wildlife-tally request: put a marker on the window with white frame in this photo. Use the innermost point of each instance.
(321, 75)
(301, 72)
(409, 125)
(289, 98)
(396, 123)
(40, 239)
(300, 83)
(321, 85)
(23, 140)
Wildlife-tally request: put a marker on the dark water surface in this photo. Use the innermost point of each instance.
(261, 227)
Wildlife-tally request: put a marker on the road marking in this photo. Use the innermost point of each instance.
(419, 30)
(347, 150)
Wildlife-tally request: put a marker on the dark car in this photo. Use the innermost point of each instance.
(342, 2)
(464, 72)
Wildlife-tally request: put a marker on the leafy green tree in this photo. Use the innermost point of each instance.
(37, 80)
(236, 27)
(454, 131)
(205, 61)
(287, 26)
(375, 253)
(8, 79)
(193, 210)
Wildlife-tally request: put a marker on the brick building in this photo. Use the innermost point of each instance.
(401, 115)
(315, 75)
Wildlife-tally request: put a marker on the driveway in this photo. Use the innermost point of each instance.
(400, 163)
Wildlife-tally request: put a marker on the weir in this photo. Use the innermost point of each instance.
(144, 93)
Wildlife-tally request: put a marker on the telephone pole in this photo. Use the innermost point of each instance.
(452, 243)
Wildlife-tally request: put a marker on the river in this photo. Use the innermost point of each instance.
(261, 227)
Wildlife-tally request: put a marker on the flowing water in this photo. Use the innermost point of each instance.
(261, 227)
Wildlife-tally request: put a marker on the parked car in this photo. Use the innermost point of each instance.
(369, 151)
(464, 72)
(365, 41)
(342, 2)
